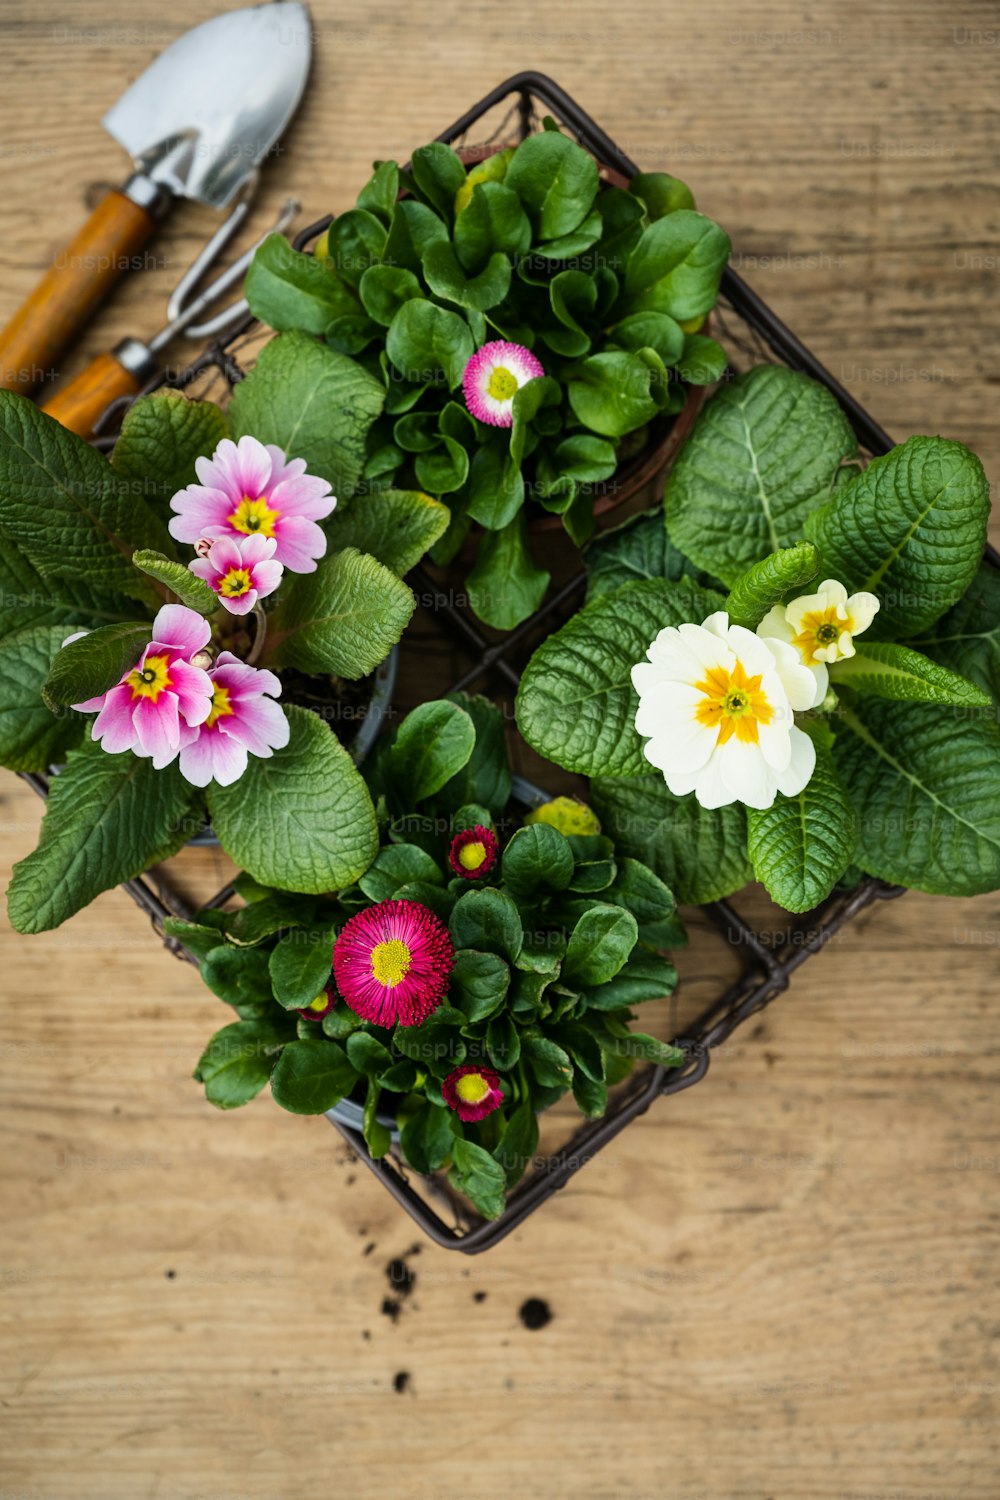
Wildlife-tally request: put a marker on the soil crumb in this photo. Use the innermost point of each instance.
(535, 1313)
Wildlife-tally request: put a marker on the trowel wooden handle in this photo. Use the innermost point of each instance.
(79, 404)
(70, 291)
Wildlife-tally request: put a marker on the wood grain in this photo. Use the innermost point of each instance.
(780, 1284)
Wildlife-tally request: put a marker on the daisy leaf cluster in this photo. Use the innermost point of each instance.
(791, 672)
(517, 327)
(484, 966)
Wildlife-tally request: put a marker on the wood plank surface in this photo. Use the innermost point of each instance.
(779, 1284)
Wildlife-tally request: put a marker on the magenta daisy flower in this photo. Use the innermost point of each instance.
(472, 1091)
(242, 720)
(321, 1006)
(241, 570)
(162, 697)
(392, 962)
(492, 378)
(473, 852)
(251, 489)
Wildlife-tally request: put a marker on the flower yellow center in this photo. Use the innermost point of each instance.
(471, 856)
(234, 583)
(821, 630)
(221, 705)
(472, 1088)
(254, 517)
(151, 679)
(502, 384)
(733, 704)
(320, 1003)
(391, 962)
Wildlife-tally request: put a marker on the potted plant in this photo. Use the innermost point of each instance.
(791, 672)
(484, 965)
(532, 326)
(186, 625)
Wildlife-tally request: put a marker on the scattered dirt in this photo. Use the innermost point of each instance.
(401, 1381)
(535, 1313)
(479, 1296)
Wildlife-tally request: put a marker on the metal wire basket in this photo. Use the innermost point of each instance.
(447, 650)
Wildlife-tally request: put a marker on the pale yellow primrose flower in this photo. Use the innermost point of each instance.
(821, 627)
(716, 705)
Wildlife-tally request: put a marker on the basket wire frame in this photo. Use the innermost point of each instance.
(753, 334)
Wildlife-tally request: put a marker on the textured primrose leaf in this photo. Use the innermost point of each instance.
(800, 846)
(344, 618)
(576, 704)
(96, 662)
(909, 529)
(769, 582)
(72, 515)
(925, 781)
(763, 454)
(700, 855)
(32, 735)
(967, 638)
(639, 549)
(161, 437)
(882, 669)
(108, 818)
(302, 820)
(27, 599)
(188, 587)
(313, 403)
(395, 526)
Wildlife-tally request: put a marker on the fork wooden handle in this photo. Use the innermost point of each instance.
(70, 291)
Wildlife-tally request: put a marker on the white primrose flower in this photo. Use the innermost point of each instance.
(716, 705)
(821, 627)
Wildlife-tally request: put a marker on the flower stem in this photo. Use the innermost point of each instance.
(260, 635)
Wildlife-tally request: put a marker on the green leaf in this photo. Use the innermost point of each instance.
(259, 920)
(384, 289)
(518, 1143)
(579, 240)
(703, 361)
(881, 669)
(238, 976)
(639, 549)
(770, 582)
(475, 1173)
(189, 589)
(443, 470)
(479, 983)
(378, 196)
(599, 945)
(313, 403)
(588, 460)
(344, 618)
(640, 891)
(529, 399)
(576, 704)
(287, 289)
(556, 180)
(237, 1062)
(645, 976)
(32, 735)
(485, 778)
(434, 742)
(661, 193)
(800, 846)
(612, 393)
(311, 1077)
(496, 485)
(594, 865)
(910, 529)
(439, 174)
(699, 854)
(414, 227)
(967, 638)
(161, 437)
(503, 1043)
(368, 1055)
(72, 515)
(505, 586)
(538, 858)
(27, 599)
(300, 965)
(651, 330)
(493, 220)
(201, 940)
(677, 266)
(108, 818)
(447, 280)
(925, 781)
(548, 1061)
(763, 454)
(302, 820)
(489, 921)
(427, 1138)
(396, 865)
(90, 666)
(424, 340)
(355, 242)
(378, 1139)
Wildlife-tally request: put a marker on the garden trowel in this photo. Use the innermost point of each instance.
(197, 124)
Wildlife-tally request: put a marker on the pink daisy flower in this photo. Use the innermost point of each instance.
(473, 852)
(391, 962)
(472, 1091)
(251, 489)
(242, 720)
(163, 696)
(321, 1006)
(241, 570)
(492, 378)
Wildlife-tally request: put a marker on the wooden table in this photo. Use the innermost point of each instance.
(781, 1284)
